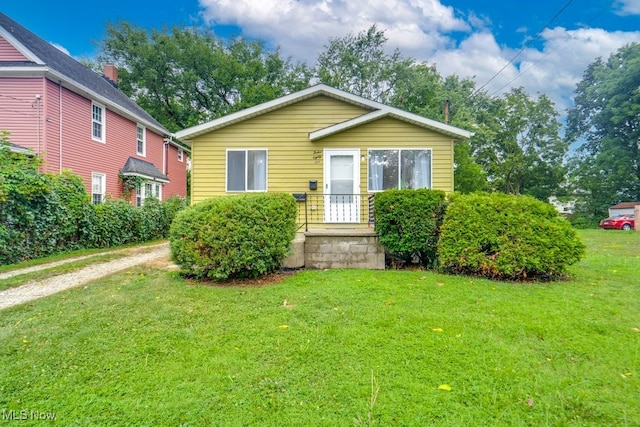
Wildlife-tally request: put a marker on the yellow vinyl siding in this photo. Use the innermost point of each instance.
(284, 133)
(293, 160)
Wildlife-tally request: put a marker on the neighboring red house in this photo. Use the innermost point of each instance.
(77, 119)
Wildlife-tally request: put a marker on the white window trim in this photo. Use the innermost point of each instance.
(369, 150)
(104, 185)
(141, 191)
(226, 170)
(144, 140)
(180, 155)
(103, 136)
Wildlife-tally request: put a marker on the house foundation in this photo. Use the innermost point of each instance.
(337, 248)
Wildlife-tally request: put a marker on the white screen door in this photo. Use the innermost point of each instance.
(342, 186)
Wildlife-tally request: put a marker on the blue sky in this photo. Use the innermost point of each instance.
(465, 37)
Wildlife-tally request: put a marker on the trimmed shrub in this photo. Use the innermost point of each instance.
(171, 207)
(234, 236)
(408, 222)
(503, 236)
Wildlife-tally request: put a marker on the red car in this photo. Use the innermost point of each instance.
(619, 222)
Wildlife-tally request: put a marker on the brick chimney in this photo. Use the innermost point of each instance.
(110, 71)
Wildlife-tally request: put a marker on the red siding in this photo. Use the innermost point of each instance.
(9, 53)
(65, 135)
(177, 173)
(19, 111)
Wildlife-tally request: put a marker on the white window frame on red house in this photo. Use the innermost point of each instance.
(141, 140)
(180, 155)
(98, 122)
(148, 189)
(98, 187)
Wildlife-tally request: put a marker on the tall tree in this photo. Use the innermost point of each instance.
(185, 76)
(518, 144)
(359, 64)
(424, 91)
(605, 122)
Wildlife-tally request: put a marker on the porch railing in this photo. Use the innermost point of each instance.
(315, 209)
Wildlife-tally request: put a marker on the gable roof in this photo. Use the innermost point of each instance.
(376, 112)
(44, 59)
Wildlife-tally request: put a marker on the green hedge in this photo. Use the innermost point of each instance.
(43, 214)
(40, 214)
(506, 237)
(234, 236)
(408, 223)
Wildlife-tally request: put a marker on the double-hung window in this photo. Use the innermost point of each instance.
(97, 122)
(141, 137)
(246, 170)
(180, 154)
(98, 181)
(399, 168)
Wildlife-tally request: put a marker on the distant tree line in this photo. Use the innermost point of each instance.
(186, 76)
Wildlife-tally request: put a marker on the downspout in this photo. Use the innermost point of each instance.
(165, 162)
(60, 124)
(164, 156)
(38, 122)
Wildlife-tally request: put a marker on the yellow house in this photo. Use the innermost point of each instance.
(333, 150)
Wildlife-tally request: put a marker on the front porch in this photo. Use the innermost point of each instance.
(335, 231)
(334, 211)
(336, 248)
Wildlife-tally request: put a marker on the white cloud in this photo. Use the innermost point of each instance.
(425, 30)
(555, 70)
(627, 7)
(302, 28)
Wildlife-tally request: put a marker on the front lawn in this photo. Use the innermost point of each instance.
(334, 348)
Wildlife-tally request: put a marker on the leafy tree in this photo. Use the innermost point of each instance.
(605, 121)
(518, 144)
(359, 64)
(424, 91)
(186, 76)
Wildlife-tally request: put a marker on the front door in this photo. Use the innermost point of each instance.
(342, 186)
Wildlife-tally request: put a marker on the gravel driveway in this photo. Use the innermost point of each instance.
(39, 289)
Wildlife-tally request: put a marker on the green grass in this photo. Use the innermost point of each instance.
(352, 347)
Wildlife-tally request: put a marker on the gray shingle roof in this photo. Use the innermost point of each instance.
(73, 71)
(138, 167)
(18, 149)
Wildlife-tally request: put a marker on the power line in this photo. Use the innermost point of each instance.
(526, 45)
(532, 65)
